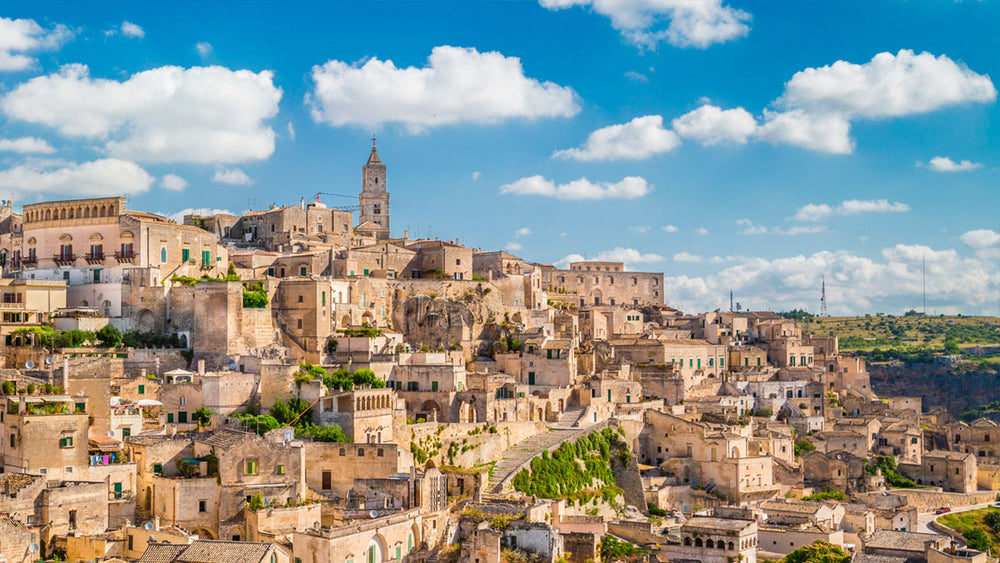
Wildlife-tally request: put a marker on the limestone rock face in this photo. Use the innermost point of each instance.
(433, 321)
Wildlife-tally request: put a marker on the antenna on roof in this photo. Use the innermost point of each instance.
(822, 299)
(730, 301)
(923, 280)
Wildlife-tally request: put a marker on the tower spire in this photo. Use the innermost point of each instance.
(822, 299)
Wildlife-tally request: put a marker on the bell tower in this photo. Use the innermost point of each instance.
(374, 199)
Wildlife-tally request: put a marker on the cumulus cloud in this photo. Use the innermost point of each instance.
(26, 145)
(456, 86)
(639, 229)
(232, 176)
(20, 37)
(799, 230)
(105, 177)
(636, 76)
(629, 187)
(945, 164)
(681, 23)
(173, 182)
(167, 114)
(178, 216)
(640, 138)
(629, 256)
(818, 104)
(669, 229)
(854, 284)
(204, 48)
(130, 29)
(818, 132)
(750, 228)
(711, 125)
(513, 246)
(522, 232)
(817, 212)
(476, 175)
(687, 257)
(981, 239)
(291, 131)
(702, 231)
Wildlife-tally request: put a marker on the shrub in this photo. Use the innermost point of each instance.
(992, 520)
(9, 387)
(818, 552)
(109, 336)
(827, 494)
(977, 539)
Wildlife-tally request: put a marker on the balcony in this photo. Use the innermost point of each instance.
(16, 306)
(64, 259)
(95, 258)
(28, 262)
(124, 257)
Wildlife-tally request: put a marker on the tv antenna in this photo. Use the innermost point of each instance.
(730, 301)
(822, 299)
(923, 280)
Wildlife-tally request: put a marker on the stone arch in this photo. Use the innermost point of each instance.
(62, 213)
(430, 406)
(204, 534)
(86, 213)
(730, 546)
(345, 321)
(687, 541)
(48, 214)
(709, 543)
(369, 318)
(736, 453)
(699, 543)
(413, 538)
(597, 295)
(549, 415)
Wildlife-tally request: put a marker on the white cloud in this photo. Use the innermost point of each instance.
(819, 132)
(232, 176)
(711, 125)
(640, 138)
(799, 230)
(291, 131)
(854, 284)
(26, 145)
(167, 114)
(699, 24)
(105, 177)
(687, 257)
(702, 231)
(628, 256)
(513, 246)
(23, 36)
(173, 182)
(178, 217)
(636, 76)
(522, 232)
(981, 239)
(457, 86)
(817, 212)
(639, 229)
(945, 164)
(670, 229)
(629, 187)
(750, 228)
(204, 48)
(887, 86)
(130, 29)
(819, 103)
(476, 175)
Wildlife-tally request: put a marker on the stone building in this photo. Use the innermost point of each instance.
(952, 471)
(387, 538)
(604, 283)
(27, 302)
(45, 435)
(715, 540)
(331, 468)
(365, 415)
(980, 437)
(374, 197)
(287, 228)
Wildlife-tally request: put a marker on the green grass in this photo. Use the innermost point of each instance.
(973, 519)
(891, 330)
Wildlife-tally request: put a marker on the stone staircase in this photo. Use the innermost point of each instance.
(521, 454)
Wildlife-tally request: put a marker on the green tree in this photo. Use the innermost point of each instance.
(818, 552)
(202, 416)
(992, 519)
(9, 387)
(951, 347)
(977, 539)
(109, 336)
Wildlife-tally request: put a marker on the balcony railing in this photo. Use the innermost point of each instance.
(11, 305)
(95, 258)
(124, 257)
(64, 259)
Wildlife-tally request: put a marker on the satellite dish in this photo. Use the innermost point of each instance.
(373, 514)
(33, 548)
(29, 364)
(48, 361)
(147, 526)
(232, 366)
(111, 433)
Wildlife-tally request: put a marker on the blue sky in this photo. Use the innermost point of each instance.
(752, 146)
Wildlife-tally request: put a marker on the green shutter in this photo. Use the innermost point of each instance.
(170, 418)
(186, 254)
(142, 389)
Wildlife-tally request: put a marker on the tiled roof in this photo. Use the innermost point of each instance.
(17, 481)
(899, 541)
(161, 553)
(224, 552)
(223, 438)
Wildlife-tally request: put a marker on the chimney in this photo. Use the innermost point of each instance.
(457, 241)
(201, 367)
(406, 234)
(156, 524)
(142, 373)
(65, 378)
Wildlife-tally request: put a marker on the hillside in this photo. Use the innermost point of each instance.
(897, 337)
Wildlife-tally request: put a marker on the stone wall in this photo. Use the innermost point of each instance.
(927, 500)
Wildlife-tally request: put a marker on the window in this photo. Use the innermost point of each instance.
(302, 271)
(202, 507)
(66, 442)
(142, 389)
(130, 542)
(434, 385)
(280, 470)
(170, 418)
(182, 417)
(163, 254)
(300, 299)
(13, 438)
(361, 452)
(185, 254)
(157, 468)
(183, 401)
(299, 323)
(251, 467)
(126, 432)
(380, 452)
(206, 257)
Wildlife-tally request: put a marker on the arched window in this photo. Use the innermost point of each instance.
(709, 543)
(730, 545)
(163, 254)
(687, 541)
(698, 543)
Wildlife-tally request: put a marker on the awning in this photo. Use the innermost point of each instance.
(148, 403)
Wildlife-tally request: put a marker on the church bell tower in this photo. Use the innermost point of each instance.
(374, 199)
